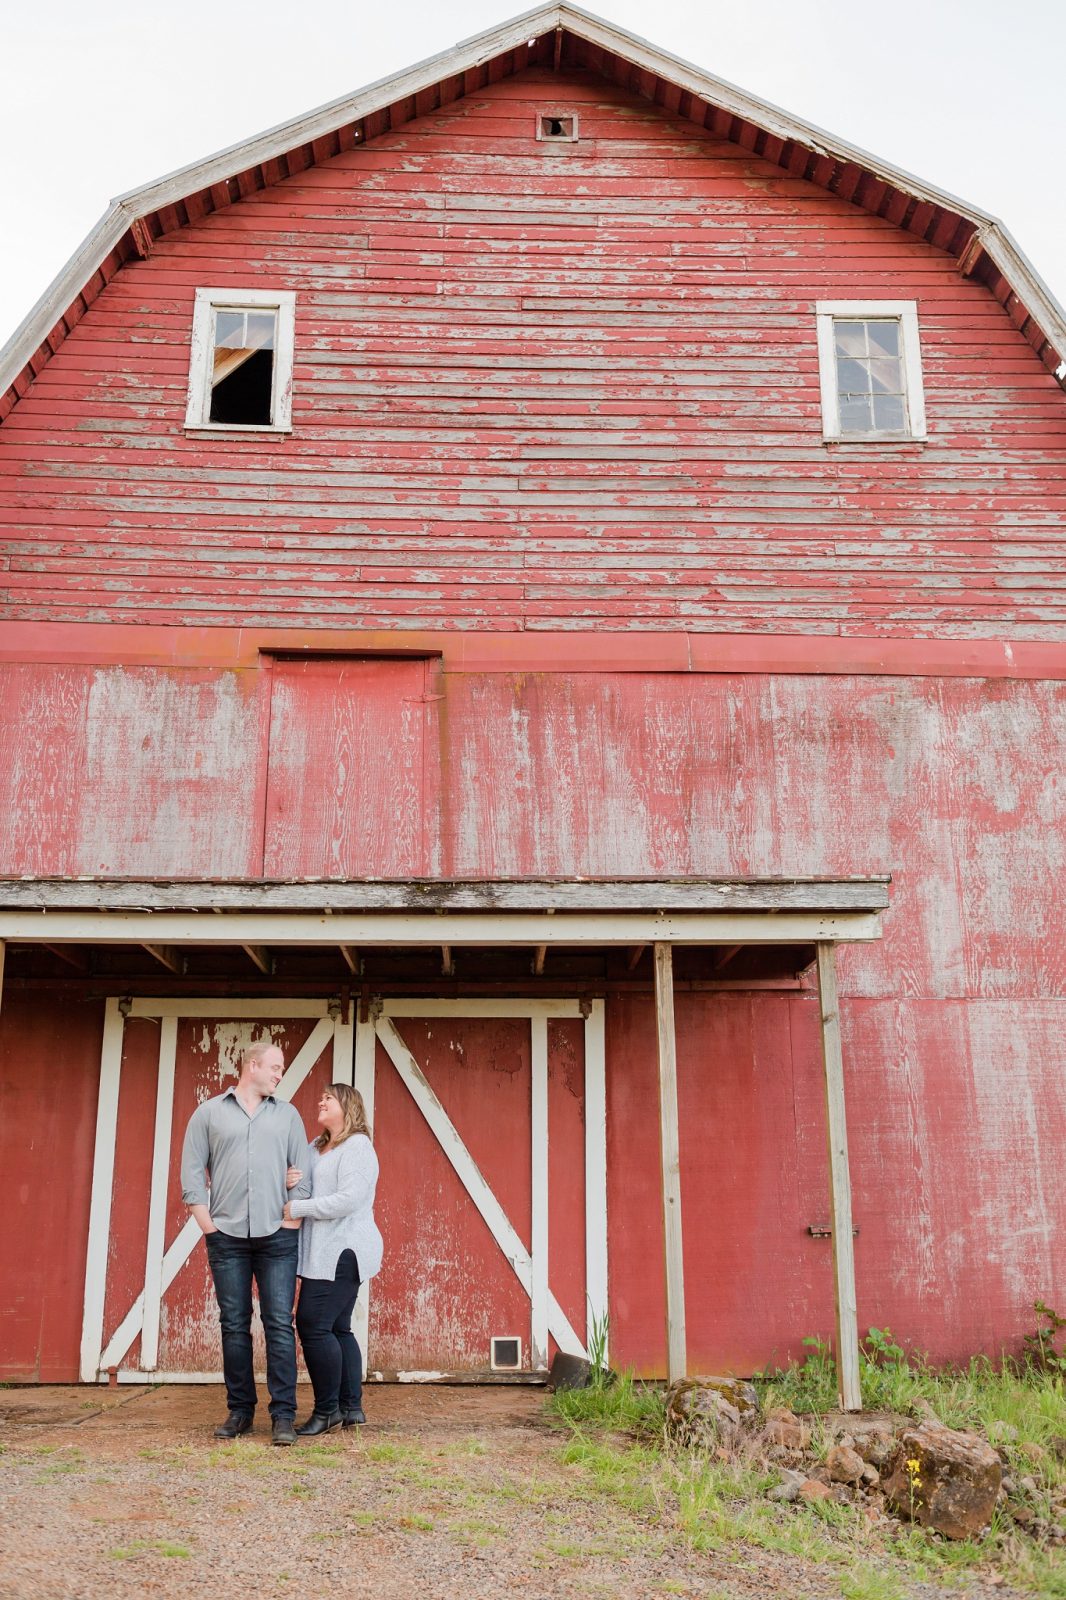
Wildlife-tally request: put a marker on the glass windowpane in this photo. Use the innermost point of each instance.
(885, 377)
(261, 325)
(888, 413)
(884, 338)
(850, 338)
(855, 415)
(229, 329)
(852, 377)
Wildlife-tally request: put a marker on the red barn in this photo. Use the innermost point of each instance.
(521, 586)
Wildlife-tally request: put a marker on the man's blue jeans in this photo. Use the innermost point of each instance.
(271, 1261)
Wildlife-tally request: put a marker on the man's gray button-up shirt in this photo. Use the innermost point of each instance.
(246, 1157)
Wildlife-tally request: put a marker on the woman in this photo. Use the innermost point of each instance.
(340, 1247)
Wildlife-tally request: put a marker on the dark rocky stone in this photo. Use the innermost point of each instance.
(697, 1413)
(954, 1481)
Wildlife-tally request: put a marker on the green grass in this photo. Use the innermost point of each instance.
(618, 1444)
(142, 1547)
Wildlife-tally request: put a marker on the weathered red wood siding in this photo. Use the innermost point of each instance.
(541, 386)
(952, 1025)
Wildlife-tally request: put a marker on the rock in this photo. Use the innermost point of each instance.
(569, 1372)
(951, 1483)
(845, 1465)
(743, 1396)
(875, 1441)
(1057, 1446)
(813, 1490)
(1007, 1484)
(923, 1409)
(1033, 1452)
(1022, 1515)
(789, 1487)
(785, 1428)
(1027, 1485)
(870, 1473)
(1002, 1432)
(698, 1414)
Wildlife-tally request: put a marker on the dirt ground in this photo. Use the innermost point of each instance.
(446, 1492)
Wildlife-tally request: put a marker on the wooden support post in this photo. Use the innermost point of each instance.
(539, 956)
(677, 1360)
(351, 957)
(260, 956)
(447, 962)
(847, 1320)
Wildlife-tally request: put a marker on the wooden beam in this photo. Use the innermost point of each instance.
(634, 956)
(73, 958)
(847, 1321)
(670, 1145)
(539, 957)
(261, 957)
(167, 956)
(447, 961)
(726, 957)
(557, 895)
(351, 956)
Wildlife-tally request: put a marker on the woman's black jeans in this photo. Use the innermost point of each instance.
(324, 1323)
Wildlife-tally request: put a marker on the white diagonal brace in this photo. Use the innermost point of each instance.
(182, 1248)
(470, 1176)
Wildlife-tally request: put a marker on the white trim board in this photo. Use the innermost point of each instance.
(431, 928)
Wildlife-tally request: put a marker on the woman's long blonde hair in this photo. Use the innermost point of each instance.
(355, 1118)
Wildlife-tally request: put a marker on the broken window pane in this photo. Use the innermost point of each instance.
(242, 377)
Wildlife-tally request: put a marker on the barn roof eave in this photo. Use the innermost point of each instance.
(983, 245)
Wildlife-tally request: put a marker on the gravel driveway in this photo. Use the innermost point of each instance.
(446, 1492)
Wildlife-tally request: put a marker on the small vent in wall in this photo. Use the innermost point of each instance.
(557, 127)
(506, 1355)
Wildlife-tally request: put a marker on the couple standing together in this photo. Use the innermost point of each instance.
(272, 1207)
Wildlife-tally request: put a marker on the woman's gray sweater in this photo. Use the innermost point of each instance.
(340, 1213)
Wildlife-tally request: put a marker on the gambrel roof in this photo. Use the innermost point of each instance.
(563, 36)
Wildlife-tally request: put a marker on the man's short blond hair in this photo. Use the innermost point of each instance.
(256, 1052)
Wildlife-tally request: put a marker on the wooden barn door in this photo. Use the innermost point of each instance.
(352, 769)
(149, 1308)
(490, 1128)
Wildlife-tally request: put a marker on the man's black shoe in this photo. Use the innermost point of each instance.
(353, 1417)
(316, 1424)
(236, 1423)
(283, 1431)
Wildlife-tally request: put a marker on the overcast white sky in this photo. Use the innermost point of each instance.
(95, 100)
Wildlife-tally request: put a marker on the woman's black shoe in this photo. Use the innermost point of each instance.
(353, 1417)
(316, 1424)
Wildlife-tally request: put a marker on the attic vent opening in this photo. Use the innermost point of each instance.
(557, 127)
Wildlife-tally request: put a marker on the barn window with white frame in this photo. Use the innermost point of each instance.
(240, 374)
(870, 369)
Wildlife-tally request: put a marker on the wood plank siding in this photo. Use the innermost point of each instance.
(541, 387)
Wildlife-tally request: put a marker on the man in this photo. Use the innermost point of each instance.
(238, 1148)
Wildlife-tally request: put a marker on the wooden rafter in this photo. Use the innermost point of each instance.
(167, 956)
(261, 957)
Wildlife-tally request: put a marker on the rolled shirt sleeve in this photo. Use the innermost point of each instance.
(195, 1155)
